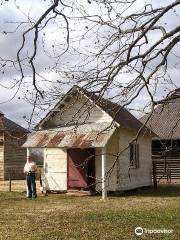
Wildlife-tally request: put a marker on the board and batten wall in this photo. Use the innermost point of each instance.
(55, 169)
(14, 155)
(79, 110)
(122, 178)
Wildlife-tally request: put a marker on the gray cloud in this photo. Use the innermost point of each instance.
(16, 110)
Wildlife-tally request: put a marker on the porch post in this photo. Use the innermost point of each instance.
(104, 190)
(28, 154)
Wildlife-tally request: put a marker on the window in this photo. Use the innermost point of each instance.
(134, 155)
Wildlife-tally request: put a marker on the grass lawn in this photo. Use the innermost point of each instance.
(63, 217)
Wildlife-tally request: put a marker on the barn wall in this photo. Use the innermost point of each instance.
(111, 150)
(1, 156)
(136, 177)
(76, 110)
(14, 155)
(55, 169)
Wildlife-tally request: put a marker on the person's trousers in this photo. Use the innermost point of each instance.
(31, 185)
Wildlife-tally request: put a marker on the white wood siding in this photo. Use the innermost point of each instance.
(134, 177)
(79, 110)
(55, 169)
(121, 177)
(111, 151)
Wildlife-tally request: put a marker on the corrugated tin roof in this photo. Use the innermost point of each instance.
(165, 121)
(84, 136)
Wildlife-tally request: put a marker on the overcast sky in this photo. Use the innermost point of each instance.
(17, 108)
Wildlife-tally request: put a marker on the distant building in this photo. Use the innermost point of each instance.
(165, 123)
(12, 155)
(82, 137)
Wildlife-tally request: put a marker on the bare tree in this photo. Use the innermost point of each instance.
(117, 49)
(127, 46)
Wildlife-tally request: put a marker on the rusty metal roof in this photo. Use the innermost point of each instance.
(82, 136)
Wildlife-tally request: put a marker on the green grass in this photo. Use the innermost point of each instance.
(60, 217)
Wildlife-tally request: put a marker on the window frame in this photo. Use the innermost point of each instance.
(134, 155)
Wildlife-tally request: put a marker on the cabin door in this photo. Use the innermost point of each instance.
(81, 168)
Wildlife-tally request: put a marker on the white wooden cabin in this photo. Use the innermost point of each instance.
(88, 144)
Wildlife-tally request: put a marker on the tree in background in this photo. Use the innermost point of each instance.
(117, 49)
(121, 50)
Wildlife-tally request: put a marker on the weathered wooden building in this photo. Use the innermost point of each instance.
(165, 123)
(87, 144)
(12, 155)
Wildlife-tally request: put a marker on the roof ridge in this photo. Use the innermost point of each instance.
(130, 120)
(122, 116)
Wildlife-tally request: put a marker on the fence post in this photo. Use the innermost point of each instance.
(154, 175)
(9, 181)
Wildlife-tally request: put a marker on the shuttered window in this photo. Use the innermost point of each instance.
(134, 155)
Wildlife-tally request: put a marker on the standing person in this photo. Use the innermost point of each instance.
(30, 169)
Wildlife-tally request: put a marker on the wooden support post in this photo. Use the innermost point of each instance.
(104, 190)
(28, 154)
(154, 175)
(9, 181)
(40, 181)
(27, 159)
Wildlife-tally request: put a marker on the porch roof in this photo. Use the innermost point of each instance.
(81, 136)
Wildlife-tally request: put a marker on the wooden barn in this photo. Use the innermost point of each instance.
(12, 155)
(165, 123)
(88, 145)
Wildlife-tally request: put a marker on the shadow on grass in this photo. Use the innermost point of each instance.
(163, 190)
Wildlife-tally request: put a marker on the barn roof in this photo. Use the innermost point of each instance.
(84, 136)
(12, 126)
(9, 125)
(121, 115)
(165, 121)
